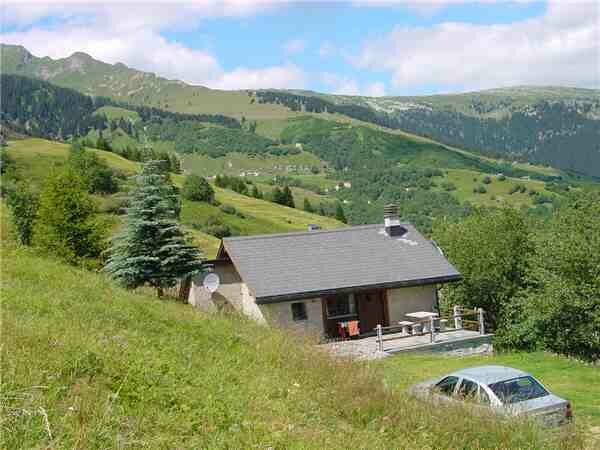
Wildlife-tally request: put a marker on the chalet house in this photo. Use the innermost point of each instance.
(311, 281)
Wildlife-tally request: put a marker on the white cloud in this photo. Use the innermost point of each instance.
(340, 84)
(561, 47)
(132, 35)
(278, 77)
(376, 89)
(344, 85)
(294, 46)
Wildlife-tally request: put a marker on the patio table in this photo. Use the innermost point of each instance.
(422, 315)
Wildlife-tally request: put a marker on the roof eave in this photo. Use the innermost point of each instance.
(265, 300)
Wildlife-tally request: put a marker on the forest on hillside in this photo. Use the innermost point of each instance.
(549, 132)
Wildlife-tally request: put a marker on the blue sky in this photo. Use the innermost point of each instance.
(368, 48)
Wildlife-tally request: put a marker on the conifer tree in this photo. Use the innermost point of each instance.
(277, 196)
(256, 193)
(339, 213)
(152, 249)
(287, 197)
(307, 206)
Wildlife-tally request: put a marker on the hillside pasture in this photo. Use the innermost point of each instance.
(89, 365)
(497, 191)
(35, 158)
(235, 163)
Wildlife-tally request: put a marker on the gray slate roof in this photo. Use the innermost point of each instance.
(281, 267)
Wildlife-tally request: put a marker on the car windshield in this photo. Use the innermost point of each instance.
(518, 390)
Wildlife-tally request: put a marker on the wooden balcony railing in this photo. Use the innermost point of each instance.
(457, 318)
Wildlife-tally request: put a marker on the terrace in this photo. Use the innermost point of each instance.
(454, 333)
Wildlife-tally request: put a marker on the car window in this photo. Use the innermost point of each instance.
(468, 390)
(518, 390)
(483, 396)
(447, 385)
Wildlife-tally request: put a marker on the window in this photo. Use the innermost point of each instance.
(342, 305)
(447, 385)
(483, 396)
(518, 390)
(299, 312)
(467, 390)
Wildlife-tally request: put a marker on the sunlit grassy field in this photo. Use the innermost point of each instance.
(234, 163)
(497, 191)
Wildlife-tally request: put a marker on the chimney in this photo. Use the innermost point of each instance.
(392, 221)
(313, 227)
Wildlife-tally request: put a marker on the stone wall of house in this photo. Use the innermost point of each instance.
(410, 299)
(234, 294)
(228, 296)
(281, 315)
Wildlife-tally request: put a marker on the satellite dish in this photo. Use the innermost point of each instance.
(211, 282)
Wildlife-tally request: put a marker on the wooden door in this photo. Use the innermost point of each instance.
(371, 310)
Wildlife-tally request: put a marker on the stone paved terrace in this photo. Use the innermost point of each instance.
(458, 341)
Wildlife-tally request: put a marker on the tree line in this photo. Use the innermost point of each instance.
(538, 279)
(41, 109)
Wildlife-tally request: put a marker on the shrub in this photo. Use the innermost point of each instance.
(66, 226)
(197, 189)
(448, 186)
(558, 309)
(97, 176)
(23, 204)
(217, 228)
(501, 177)
(487, 179)
(479, 189)
(518, 188)
(491, 250)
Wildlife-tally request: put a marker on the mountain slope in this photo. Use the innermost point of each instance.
(36, 158)
(527, 124)
(117, 81)
(544, 125)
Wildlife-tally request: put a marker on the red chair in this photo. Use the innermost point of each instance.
(342, 331)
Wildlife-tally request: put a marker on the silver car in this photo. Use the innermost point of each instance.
(503, 390)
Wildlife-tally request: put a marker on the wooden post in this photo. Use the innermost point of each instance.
(481, 323)
(379, 338)
(457, 318)
(432, 328)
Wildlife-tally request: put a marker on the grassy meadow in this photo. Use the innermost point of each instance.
(234, 163)
(88, 365)
(497, 191)
(35, 159)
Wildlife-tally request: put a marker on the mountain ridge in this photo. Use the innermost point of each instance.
(558, 126)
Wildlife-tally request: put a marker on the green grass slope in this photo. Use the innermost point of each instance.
(35, 159)
(88, 365)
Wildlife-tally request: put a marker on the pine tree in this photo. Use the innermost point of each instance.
(339, 213)
(256, 193)
(152, 249)
(287, 197)
(277, 196)
(307, 206)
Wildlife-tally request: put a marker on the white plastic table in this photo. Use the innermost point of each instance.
(422, 315)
